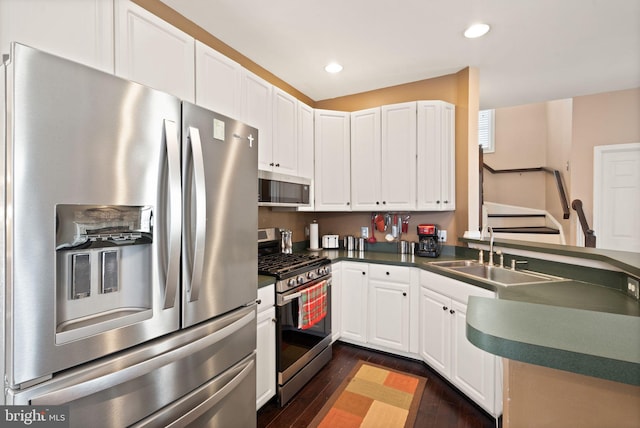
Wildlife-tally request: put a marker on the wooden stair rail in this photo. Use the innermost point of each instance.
(589, 236)
(564, 202)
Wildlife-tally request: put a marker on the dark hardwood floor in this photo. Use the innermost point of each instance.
(441, 406)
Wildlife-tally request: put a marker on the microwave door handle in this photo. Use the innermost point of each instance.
(200, 215)
(172, 276)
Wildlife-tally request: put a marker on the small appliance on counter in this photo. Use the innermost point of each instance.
(428, 243)
(330, 241)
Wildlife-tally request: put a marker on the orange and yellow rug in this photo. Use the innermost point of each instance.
(373, 396)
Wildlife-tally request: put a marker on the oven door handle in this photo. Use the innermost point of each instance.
(289, 297)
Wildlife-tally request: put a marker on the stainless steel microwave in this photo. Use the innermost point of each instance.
(281, 190)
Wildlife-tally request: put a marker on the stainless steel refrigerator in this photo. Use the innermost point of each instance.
(129, 256)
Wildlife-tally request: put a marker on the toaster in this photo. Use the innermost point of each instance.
(330, 241)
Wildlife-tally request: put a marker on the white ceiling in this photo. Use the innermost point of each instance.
(537, 50)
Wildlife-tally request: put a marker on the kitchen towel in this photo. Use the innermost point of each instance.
(312, 305)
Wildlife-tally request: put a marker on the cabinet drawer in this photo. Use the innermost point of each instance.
(266, 297)
(390, 273)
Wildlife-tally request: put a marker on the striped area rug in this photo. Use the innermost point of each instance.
(373, 396)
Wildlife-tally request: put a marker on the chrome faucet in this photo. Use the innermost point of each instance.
(490, 230)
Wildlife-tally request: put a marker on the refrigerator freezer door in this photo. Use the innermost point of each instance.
(206, 373)
(79, 137)
(220, 176)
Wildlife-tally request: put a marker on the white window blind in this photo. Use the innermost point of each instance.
(485, 130)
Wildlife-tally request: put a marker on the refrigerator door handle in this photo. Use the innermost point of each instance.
(172, 277)
(200, 215)
(101, 383)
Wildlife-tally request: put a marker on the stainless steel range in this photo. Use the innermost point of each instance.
(300, 352)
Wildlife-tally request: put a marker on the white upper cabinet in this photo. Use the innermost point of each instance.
(398, 159)
(436, 156)
(365, 159)
(152, 52)
(218, 81)
(305, 141)
(81, 31)
(383, 158)
(332, 161)
(256, 112)
(284, 158)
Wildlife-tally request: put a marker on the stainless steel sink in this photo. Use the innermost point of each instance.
(502, 276)
(456, 263)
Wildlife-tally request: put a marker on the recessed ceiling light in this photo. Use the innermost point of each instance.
(476, 30)
(334, 67)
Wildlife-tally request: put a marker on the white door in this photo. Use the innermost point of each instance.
(616, 196)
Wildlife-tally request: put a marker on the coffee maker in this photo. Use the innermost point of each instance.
(428, 243)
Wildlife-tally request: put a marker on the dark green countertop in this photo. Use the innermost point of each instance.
(264, 280)
(571, 325)
(591, 343)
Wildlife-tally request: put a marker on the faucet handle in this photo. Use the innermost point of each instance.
(481, 256)
(501, 258)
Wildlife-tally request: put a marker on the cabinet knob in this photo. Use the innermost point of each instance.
(258, 301)
(274, 320)
(277, 164)
(446, 202)
(404, 294)
(387, 273)
(271, 164)
(444, 308)
(377, 202)
(452, 311)
(384, 202)
(364, 273)
(348, 203)
(437, 202)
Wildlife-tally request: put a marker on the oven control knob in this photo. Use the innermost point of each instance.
(322, 271)
(311, 275)
(291, 282)
(300, 279)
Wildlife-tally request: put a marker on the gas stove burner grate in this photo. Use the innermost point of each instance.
(282, 263)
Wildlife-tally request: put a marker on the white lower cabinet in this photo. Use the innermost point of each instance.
(417, 314)
(389, 303)
(355, 294)
(266, 346)
(377, 306)
(444, 345)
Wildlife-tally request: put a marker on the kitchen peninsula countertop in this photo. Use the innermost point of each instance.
(571, 325)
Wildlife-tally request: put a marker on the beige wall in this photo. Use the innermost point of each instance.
(600, 120)
(558, 157)
(520, 142)
(559, 134)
